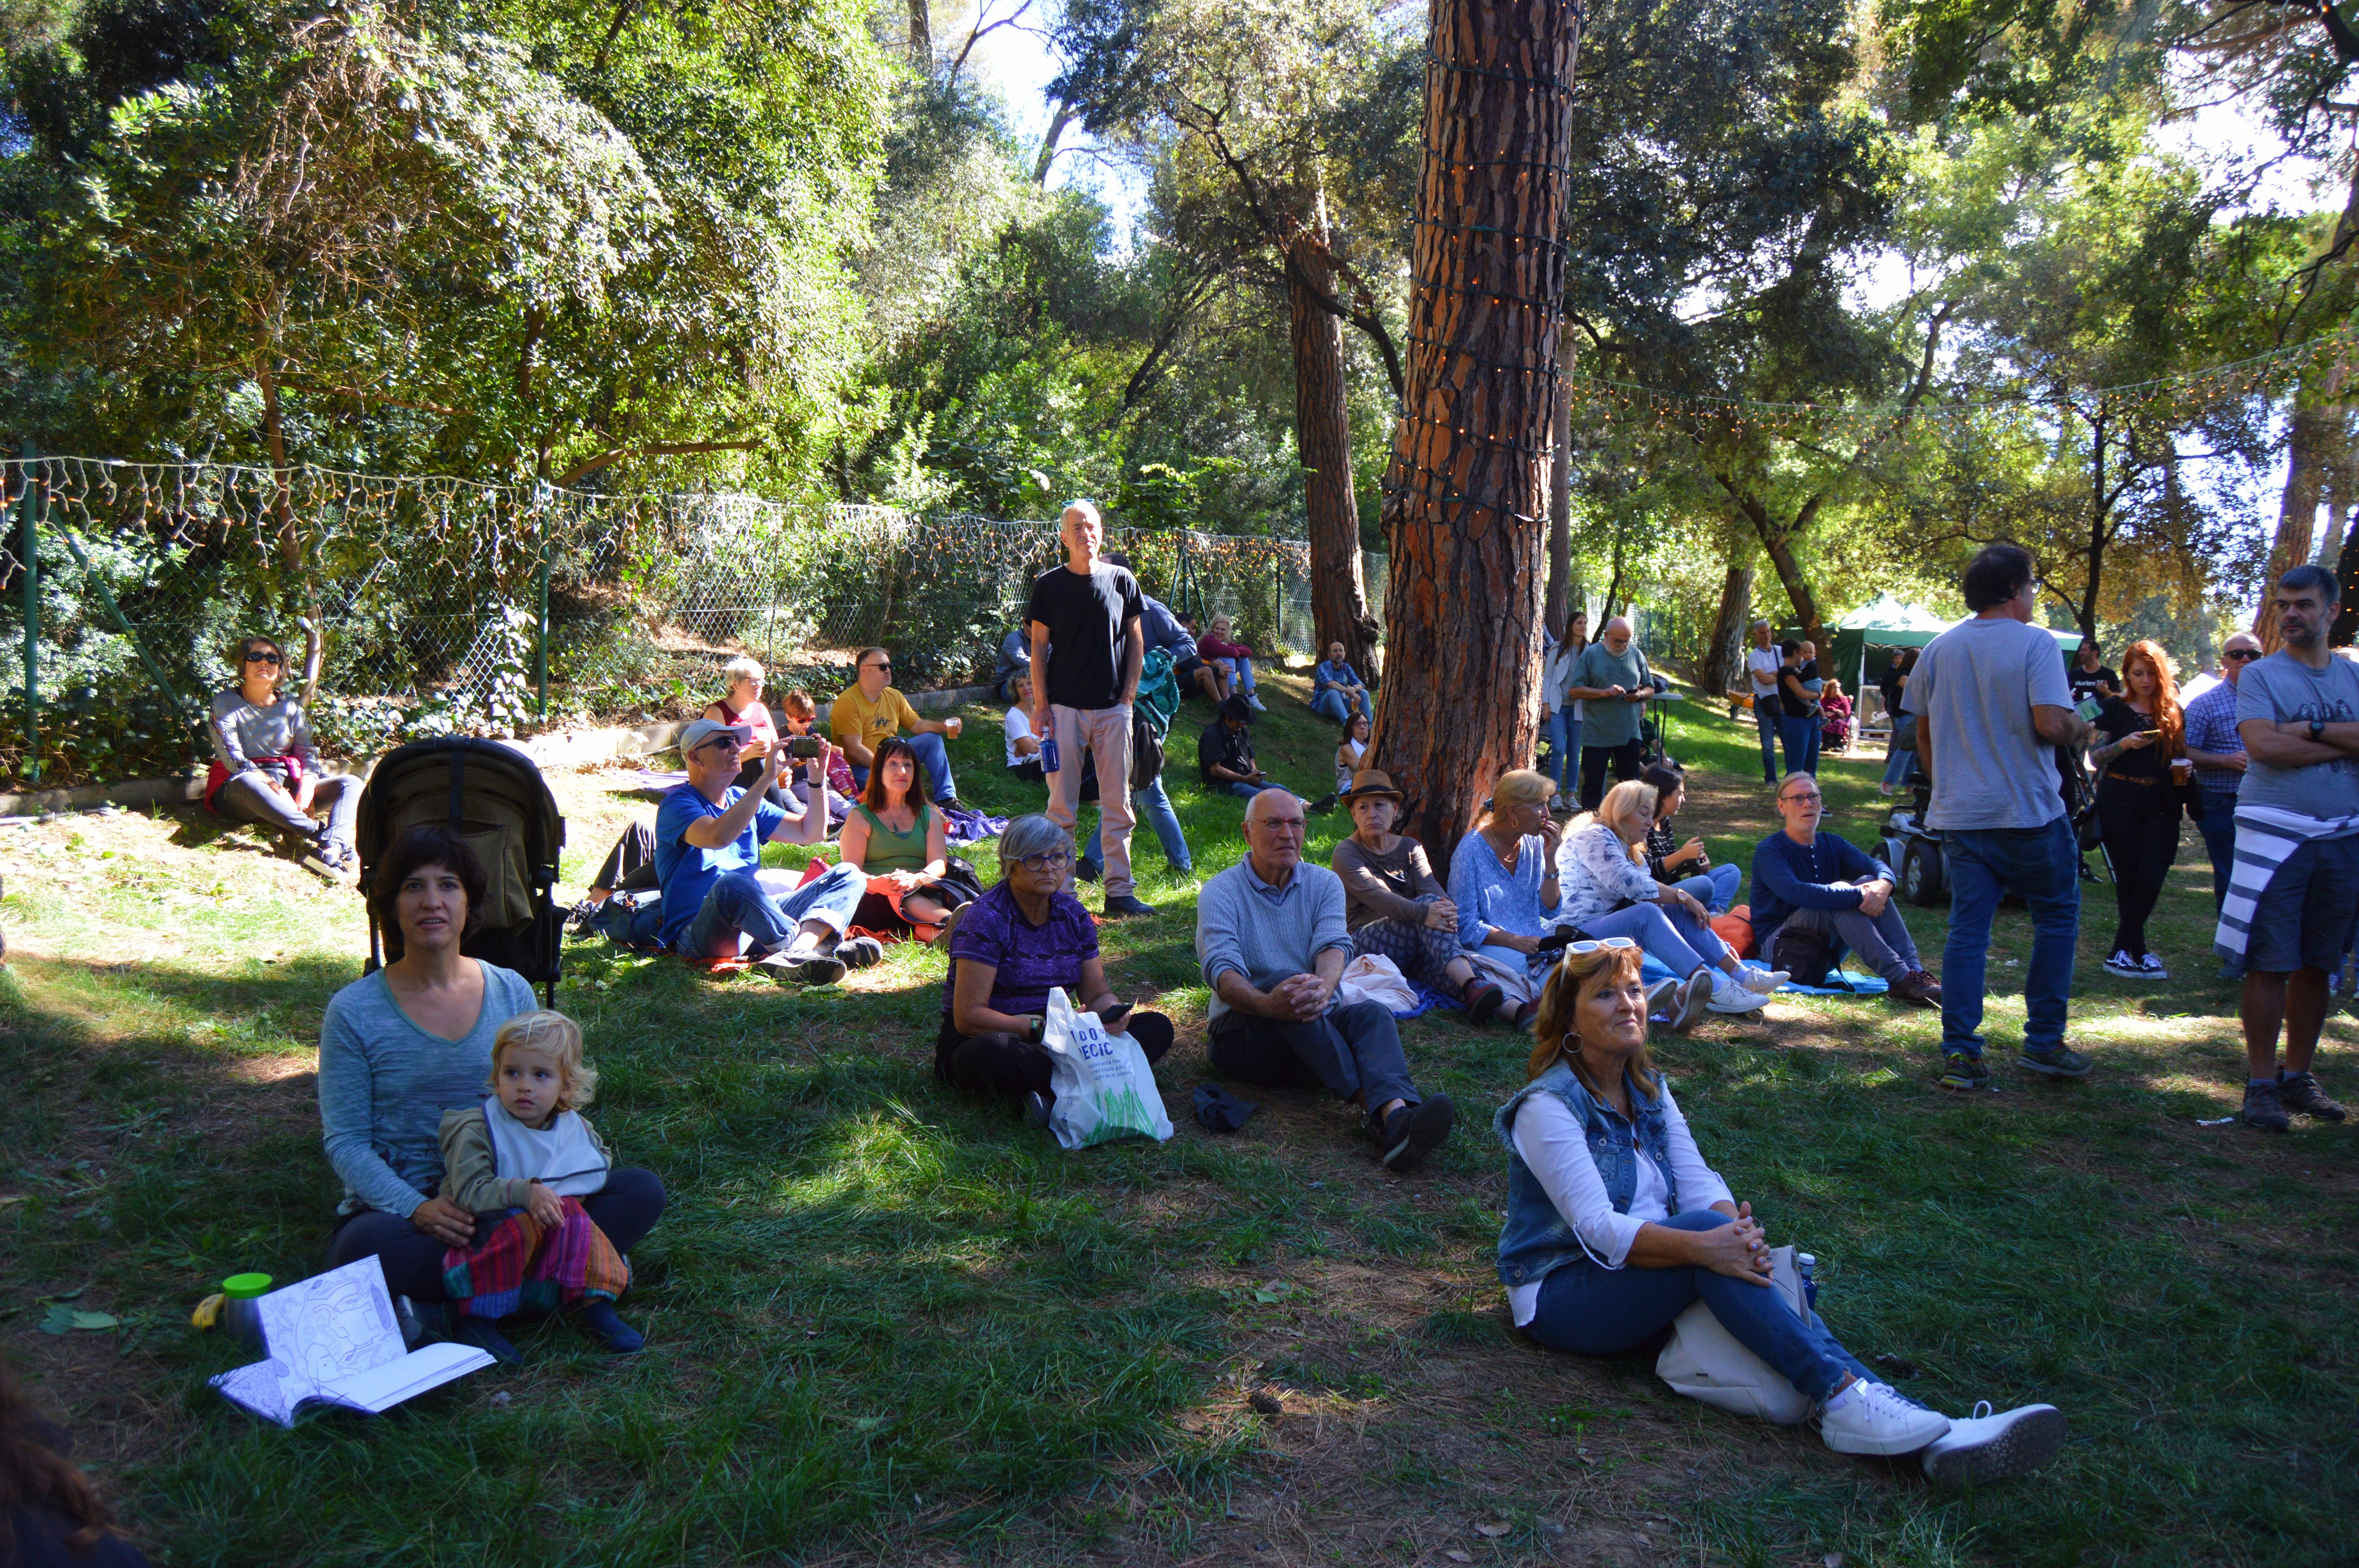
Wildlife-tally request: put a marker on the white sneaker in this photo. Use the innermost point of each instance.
(2122, 964)
(1253, 700)
(1985, 1447)
(1761, 981)
(1688, 1002)
(1872, 1417)
(2150, 968)
(1729, 994)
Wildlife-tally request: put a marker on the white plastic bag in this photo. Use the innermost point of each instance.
(1103, 1086)
(1706, 1362)
(1372, 977)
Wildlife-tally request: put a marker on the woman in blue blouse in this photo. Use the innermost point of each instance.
(1503, 879)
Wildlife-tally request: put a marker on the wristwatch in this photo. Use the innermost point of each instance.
(2318, 729)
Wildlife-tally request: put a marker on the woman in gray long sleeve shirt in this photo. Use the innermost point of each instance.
(265, 768)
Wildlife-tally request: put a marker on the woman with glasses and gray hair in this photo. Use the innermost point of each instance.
(265, 768)
(1008, 948)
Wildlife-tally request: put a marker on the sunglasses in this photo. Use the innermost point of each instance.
(881, 664)
(1601, 945)
(2241, 654)
(261, 658)
(1047, 860)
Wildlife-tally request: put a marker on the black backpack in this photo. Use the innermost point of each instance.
(492, 795)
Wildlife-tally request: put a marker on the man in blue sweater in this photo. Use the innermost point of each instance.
(1271, 938)
(1803, 880)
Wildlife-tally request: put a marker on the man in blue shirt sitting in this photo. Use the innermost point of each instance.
(709, 838)
(1336, 689)
(1807, 882)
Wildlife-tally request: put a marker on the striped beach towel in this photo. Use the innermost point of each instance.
(524, 1266)
(2266, 838)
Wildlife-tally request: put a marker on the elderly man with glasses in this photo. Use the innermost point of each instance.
(1819, 884)
(1613, 682)
(872, 712)
(1008, 949)
(709, 838)
(2218, 753)
(1271, 936)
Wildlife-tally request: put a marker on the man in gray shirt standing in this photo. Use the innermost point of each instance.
(1991, 701)
(2293, 893)
(1271, 938)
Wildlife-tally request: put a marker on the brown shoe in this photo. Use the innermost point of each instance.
(1919, 987)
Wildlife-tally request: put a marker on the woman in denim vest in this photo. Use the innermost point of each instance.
(1615, 1225)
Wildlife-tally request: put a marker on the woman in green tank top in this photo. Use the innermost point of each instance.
(894, 835)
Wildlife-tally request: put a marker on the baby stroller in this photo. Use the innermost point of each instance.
(492, 795)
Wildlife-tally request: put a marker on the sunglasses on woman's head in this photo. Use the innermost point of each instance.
(1601, 945)
(260, 657)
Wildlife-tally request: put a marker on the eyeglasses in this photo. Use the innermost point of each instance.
(258, 657)
(2241, 654)
(1814, 794)
(881, 664)
(1047, 860)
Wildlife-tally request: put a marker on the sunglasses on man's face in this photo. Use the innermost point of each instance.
(262, 658)
(2241, 654)
(880, 663)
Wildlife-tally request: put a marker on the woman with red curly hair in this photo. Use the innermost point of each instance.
(2140, 755)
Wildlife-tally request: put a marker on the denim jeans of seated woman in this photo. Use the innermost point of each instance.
(626, 1208)
(1594, 1311)
(1675, 937)
(1714, 889)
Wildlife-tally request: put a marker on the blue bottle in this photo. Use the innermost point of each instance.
(1048, 754)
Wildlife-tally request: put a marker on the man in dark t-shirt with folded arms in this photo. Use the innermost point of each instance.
(1087, 649)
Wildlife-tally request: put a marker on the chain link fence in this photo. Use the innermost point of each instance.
(440, 605)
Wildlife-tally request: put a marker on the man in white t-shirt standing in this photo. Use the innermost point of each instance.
(1991, 702)
(1761, 663)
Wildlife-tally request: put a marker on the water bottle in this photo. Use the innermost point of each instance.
(1048, 754)
(241, 1312)
(1805, 1264)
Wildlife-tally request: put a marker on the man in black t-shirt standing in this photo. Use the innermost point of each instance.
(1087, 648)
(2088, 677)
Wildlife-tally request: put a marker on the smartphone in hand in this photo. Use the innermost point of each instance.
(1114, 1015)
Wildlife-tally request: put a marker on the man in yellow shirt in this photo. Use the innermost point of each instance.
(872, 711)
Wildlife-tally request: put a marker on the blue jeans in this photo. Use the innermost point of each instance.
(932, 755)
(1715, 889)
(1563, 731)
(2042, 867)
(1764, 719)
(2219, 830)
(1801, 740)
(1675, 937)
(1150, 802)
(1329, 705)
(1231, 786)
(737, 903)
(1901, 765)
(1591, 1311)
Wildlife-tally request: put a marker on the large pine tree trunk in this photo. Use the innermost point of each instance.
(1323, 440)
(1723, 654)
(2306, 457)
(1467, 491)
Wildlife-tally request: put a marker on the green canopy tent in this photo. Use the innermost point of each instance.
(1867, 639)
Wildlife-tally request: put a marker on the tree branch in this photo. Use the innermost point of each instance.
(580, 472)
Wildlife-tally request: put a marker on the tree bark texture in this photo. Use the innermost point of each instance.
(2308, 453)
(1559, 538)
(1323, 440)
(1723, 654)
(1467, 490)
(922, 35)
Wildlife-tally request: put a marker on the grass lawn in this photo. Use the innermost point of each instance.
(890, 1323)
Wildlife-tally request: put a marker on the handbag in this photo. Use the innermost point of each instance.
(1706, 1362)
(1103, 1086)
(1804, 955)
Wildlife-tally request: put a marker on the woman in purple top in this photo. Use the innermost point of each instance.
(1008, 948)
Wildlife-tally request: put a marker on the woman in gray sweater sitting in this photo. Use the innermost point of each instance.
(265, 768)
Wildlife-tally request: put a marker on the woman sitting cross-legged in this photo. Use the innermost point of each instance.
(1393, 904)
(1007, 949)
(1616, 1226)
(1503, 879)
(399, 1048)
(1608, 892)
(895, 834)
(1685, 865)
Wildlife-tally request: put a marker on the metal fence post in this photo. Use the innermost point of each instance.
(540, 644)
(29, 536)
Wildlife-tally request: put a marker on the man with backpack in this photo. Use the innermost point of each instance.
(709, 838)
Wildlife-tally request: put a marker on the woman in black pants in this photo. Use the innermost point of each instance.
(1008, 948)
(2141, 763)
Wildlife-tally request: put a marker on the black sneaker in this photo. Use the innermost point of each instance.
(1413, 1131)
(2056, 1063)
(1085, 873)
(583, 919)
(860, 952)
(1122, 907)
(1324, 803)
(2264, 1110)
(2300, 1092)
(1964, 1073)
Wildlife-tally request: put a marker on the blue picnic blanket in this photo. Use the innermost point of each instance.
(1654, 969)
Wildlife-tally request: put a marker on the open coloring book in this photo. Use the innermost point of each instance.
(333, 1340)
